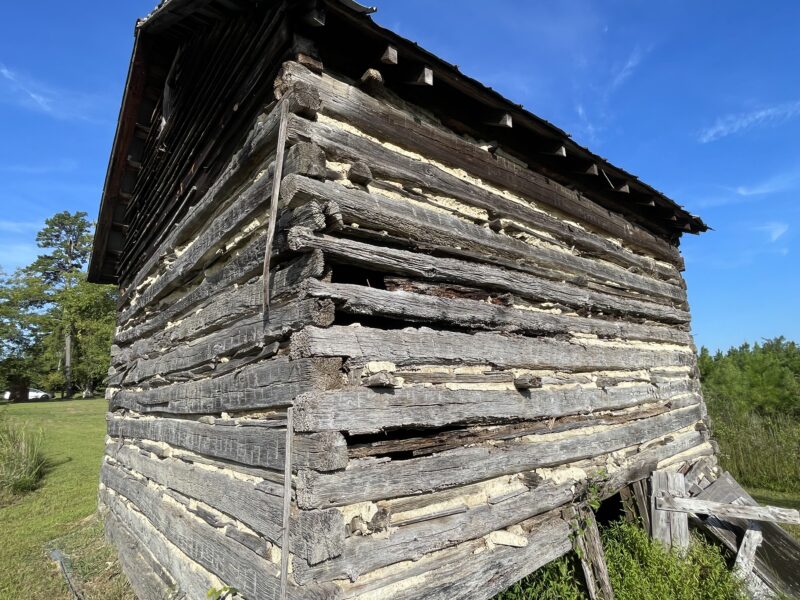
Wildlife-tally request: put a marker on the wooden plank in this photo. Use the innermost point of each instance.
(745, 558)
(444, 232)
(287, 501)
(365, 410)
(232, 562)
(774, 514)
(466, 465)
(472, 571)
(592, 557)
(267, 384)
(475, 314)
(429, 347)
(240, 267)
(433, 268)
(249, 445)
(364, 554)
(386, 122)
(670, 529)
(315, 536)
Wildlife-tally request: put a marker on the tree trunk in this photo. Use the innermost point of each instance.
(68, 391)
(18, 390)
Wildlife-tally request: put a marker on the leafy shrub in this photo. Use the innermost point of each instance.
(22, 463)
(640, 569)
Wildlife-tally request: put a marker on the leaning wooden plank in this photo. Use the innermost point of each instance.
(315, 535)
(363, 555)
(589, 548)
(774, 514)
(442, 231)
(670, 529)
(150, 581)
(237, 565)
(301, 99)
(459, 312)
(248, 444)
(195, 579)
(267, 384)
(380, 119)
(746, 556)
(238, 338)
(366, 410)
(466, 465)
(428, 347)
(468, 273)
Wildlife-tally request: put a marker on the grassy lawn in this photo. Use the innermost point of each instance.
(61, 509)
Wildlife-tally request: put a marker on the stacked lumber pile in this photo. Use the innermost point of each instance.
(456, 348)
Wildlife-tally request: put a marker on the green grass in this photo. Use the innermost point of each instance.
(640, 569)
(22, 462)
(759, 451)
(60, 507)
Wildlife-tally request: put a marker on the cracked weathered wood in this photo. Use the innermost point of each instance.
(453, 270)
(247, 444)
(459, 312)
(365, 410)
(386, 122)
(671, 529)
(428, 347)
(723, 510)
(442, 231)
(267, 384)
(465, 465)
(315, 535)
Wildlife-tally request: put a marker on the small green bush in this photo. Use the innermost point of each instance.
(22, 462)
(640, 569)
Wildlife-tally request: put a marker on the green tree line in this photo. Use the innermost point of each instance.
(55, 327)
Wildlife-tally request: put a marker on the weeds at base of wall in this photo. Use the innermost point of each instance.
(640, 569)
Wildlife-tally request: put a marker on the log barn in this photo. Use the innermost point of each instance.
(379, 327)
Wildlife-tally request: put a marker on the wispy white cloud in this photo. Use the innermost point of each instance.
(624, 72)
(735, 123)
(778, 183)
(774, 230)
(38, 96)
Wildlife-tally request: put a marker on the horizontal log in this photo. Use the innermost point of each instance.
(300, 99)
(246, 444)
(467, 465)
(473, 571)
(434, 268)
(235, 564)
(147, 577)
(210, 242)
(268, 384)
(365, 554)
(365, 410)
(724, 510)
(195, 581)
(315, 535)
(379, 119)
(448, 233)
(460, 312)
(238, 338)
(426, 346)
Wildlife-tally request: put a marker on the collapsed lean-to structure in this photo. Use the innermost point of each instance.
(472, 321)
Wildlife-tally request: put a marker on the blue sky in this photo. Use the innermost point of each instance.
(699, 99)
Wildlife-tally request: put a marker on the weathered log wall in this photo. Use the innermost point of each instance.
(467, 346)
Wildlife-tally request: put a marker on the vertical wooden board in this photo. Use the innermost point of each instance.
(670, 528)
